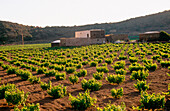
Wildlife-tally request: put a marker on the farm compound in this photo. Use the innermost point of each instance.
(97, 36)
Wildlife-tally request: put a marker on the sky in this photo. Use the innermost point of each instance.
(77, 12)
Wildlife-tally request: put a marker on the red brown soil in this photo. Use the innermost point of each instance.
(159, 83)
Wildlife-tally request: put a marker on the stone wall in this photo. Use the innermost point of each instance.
(55, 44)
(80, 41)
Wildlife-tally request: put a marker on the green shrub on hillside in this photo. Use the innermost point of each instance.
(41, 70)
(73, 79)
(119, 65)
(70, 69)
(120, 71)
(98, 75)
(82, 101)
(113, 107)
(151, 101)
(136, 67)
(46, 86)
(141, 86)
(11, 70)
(81, 73)
(102, 69)
(34, 79)
(93, 64)
(15, 97)
(51, 73)
(91, 84)
(117, 93)
(29, 107)
(115, 78)
(141, 75)
(108, 60)
(57, 91)
(4, 88)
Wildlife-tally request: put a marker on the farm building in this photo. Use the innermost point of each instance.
(149, 36)
(55, 43)
(82, 38)
(111, 38)
(93, 33)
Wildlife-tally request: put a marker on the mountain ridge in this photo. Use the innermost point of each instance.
(11, 33)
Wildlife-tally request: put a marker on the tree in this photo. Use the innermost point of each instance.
(164, 36)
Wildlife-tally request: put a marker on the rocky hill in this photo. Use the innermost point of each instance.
(11, 33)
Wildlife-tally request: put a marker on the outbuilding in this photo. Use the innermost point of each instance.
(149, 36)
(55, 43)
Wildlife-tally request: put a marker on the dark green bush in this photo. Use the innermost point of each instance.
(98, 75)
(133, 59)
(91, 84)
(70, 69)
(82, 101)
(79, 66)
(93, 64)
(151, 66)
(5, 66)
(108, 60)
(141, 86)
(45, 86)
(154, 57)
(60, 67)
(4, 88)
(102, 69)
(15, 97)
(115, 78)
(29, 107)
(165, 63)
(1, 63)
(113, 107)
(34, 79)
(81, 73)
(136, 67)
(85, 62)
(141, 75)
(57, 91)
(119, 65)
(11, 70)
(122, 57)
(73, 79)
(120, 71)
(17, 63)
(26, 75)
(152, 101)
(41, 70)
(60, 76)
(50, 73)
(117, 93)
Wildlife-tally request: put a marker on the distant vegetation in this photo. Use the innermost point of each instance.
(11, 33)
(26, 46)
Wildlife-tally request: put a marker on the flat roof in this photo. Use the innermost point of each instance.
(56, 41)
(92, 30)
(151, 32)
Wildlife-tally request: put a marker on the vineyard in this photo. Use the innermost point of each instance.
(103, 77)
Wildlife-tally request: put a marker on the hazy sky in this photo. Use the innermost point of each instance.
(76, 12)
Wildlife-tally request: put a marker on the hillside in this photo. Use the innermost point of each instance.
(11, 33)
